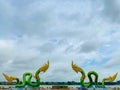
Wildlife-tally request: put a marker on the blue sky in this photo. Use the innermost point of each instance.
(85, 31)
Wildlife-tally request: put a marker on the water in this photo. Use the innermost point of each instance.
(49, 87)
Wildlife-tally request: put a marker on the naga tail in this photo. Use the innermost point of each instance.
(110, 79)
(10, 78)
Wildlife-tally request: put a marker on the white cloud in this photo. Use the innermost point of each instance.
(61, 31)
(111, 10)
(114, 61)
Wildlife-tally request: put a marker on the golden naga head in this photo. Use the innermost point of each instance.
(9, 78)
(76, 68)
(44, 67)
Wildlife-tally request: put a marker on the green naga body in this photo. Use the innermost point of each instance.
(91, 82)
(30, 75)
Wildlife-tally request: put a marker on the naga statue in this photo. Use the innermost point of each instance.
(91, 83)
(30, 75)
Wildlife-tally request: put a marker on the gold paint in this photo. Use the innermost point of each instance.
(110, 78)
(9, 78)
(44, 67)
(76, 68)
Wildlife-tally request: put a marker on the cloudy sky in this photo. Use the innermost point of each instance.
(85, 31)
